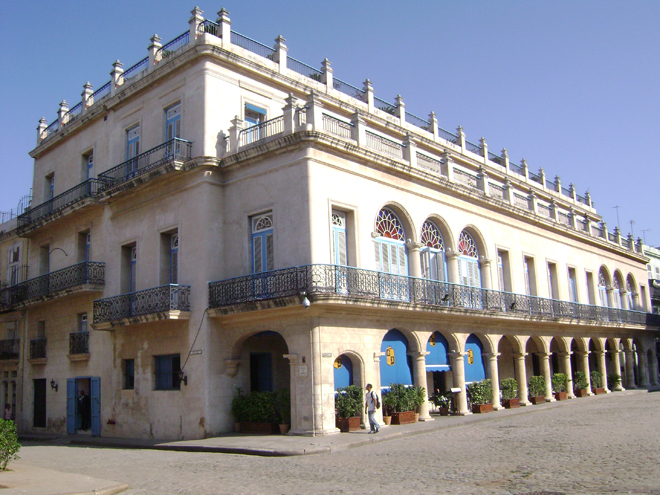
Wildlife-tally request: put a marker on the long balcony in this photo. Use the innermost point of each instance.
(169, 302)
(167, 156)
(73, 199)
(316, 281)
(85, 276)
(9, 349)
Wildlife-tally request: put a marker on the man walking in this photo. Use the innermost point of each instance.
(370, 406)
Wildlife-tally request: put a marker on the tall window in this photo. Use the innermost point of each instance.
(389, 246)
(167, 372)
(129, 374)
(89, 165)
(82, 322)
(616, 291)
(572, 285)
(553, 289)
(629, 289)
(132, 148)
(174, 259)
(339, 248)
(602, 288)
(15, 274)
(504, 271)
(468, 260)
(173, 122)
(263, 259)
(84, 246)
(49, 189)
(530, 276)
(434, 262)
(253, 116)
(129, 268)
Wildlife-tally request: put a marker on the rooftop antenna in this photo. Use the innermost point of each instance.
(644, 231)
(617, 217)
(631, 228)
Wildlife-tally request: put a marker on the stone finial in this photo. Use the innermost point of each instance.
(400, 109)
(326, 76)
(155, 52)
(87, 98)
(117, 74)
(368, 95)
(225, 25)
(280, 55)
(434, 125)
(41, 129)
(62, 113)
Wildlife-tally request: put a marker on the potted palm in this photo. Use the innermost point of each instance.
(283, 403)
(536, 389)
(509, 388)
(388, 408)
(401, 403)
(418, 396)
(596, 382)
(580, 384)
(613, 381)
(480, 395)
(348, 407)
(559, 386)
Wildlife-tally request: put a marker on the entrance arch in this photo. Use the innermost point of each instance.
(438, 364)
(266, 367)
(395, 363)
(475, 369)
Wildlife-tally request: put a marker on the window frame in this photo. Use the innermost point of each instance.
(161, 381)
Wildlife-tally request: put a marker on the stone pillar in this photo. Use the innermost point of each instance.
(494, 374)
(482, 181)
(643, 370)
(603, 226)
(359, 129)
(400, 110)
(446, 156)
(289, 114)
(554, 214)
(602, 369)
(542, 175)
(87, 98)
(314, 111)
(631, 242)
(280, 55)
(584, 356)
(461, 138)
(195, 20)
(224, 24)
(525, 169)
(420, 381)
(630, 369)
(617, 236)
(566, 360)
(547, 376)
(369, 95)
(508, 191)
(521, 374)
(571, 189)
(452, 267)
(327, 77)
(558, 184)
(458, 368)
(484, 266)
(572, 221)
(41, 130)
(616, 360)
(414, 258)
(155, 52)
(410, 151)
(532, 204)
(293, 369)
(234, 130)
(654, 367)
(505, 159)
(62, 113)
(116, 76)
(587, 221)
(625, 303)
(434, 126)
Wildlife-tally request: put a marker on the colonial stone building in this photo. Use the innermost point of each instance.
(222, 216)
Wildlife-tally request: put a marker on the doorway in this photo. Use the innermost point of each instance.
(39, 404)
(83, 405)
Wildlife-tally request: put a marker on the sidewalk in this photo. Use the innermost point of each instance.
(26, 479)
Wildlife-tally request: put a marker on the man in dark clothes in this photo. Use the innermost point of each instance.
(85, 411)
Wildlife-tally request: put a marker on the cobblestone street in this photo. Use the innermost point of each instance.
(606, 444)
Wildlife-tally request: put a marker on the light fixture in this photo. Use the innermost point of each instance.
(53, 385)
(183, 378)
(305, 302)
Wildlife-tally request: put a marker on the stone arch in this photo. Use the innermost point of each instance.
(508, 346)
(445, 230)
(633, 292)
(403, 216)
(348, 369)
(439, 374)
(558, 348)
(534, 346)
(259, 363)
(619, 278)
(395, 361)
(474, 362)
(607, 274)
(514, 341)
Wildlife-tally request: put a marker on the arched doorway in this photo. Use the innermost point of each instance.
(346, 371)
(268, 370)
(437, 364)
(475, 370)
(395, 363)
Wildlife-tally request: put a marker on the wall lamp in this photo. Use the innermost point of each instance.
(305, 302)
(183, 378)
(53, 385)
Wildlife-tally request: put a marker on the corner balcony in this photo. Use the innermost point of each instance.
(37, 351)
(74, 199)
(341, 283)
(169, 302)
(171, 155)
(78, 346)
(9, 349)
(88, 276)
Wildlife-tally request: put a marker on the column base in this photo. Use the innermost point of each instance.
(551, 399)
(498, 408)
(428, 418)
(525, 403)
(315, 433)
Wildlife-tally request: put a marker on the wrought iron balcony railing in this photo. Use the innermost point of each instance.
(261, 131)
(170, 151)
(37, 348)
(170, 297)
(46, 286)
(368, 284)
(87, 189)
(9, 348)
(79, 343)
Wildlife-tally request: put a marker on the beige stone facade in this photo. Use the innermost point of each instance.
(223, 210)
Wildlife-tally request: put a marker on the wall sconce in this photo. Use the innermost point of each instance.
(305, 302)
(53, 385)
(183, 378)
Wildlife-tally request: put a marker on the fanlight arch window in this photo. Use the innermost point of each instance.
(629, 289)
(616, 292)
(389, 247)
(602, 288)
(433, 259)
(468, 260)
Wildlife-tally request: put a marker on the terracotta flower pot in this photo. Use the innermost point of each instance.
(482, 408)
(348, 424)
(403, 418)
(387, 420)
(511, 403)
(537, 400)
(284, 429)
(444, 411)
(561, 395)
(581, 392)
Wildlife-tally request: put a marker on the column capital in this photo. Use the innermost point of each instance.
(519, 355)
(491, 354)
(293, 358)
(418, 354)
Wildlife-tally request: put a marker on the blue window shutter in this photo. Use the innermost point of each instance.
(95, 396)
(71, 406)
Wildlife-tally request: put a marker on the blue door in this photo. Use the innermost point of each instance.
(261, 372)
(95, 396)
(71, 406)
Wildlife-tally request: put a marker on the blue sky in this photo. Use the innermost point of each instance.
(570, 86)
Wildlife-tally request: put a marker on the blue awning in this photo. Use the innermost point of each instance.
(438, 367)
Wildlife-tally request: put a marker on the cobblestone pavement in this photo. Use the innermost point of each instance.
(600, 446)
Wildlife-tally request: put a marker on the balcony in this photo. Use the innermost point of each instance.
(9, 349)
(85, 276)
(37, 351)
(169, 302)
(73, 199)
(325, 281)
(79, 346)
(165, 157)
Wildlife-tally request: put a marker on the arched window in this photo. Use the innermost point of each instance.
(434, 262)
(390, 250)
(616, 292)
(468, 260)
(629, 289)
(262, 243)
(602, 288)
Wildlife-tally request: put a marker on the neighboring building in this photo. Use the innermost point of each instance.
(222, 216)
(653, 269)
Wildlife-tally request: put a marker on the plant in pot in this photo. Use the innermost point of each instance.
(402, 404)
(613, 381)
(442, 402)
(596, 382)
(418, 397)
(580, 384)
(239, 406)
(559, 386)
(536, 389)
(283, 403)
(348, 406)
(509, 388)
(388, 407)
(480, 395)
(256, 412)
